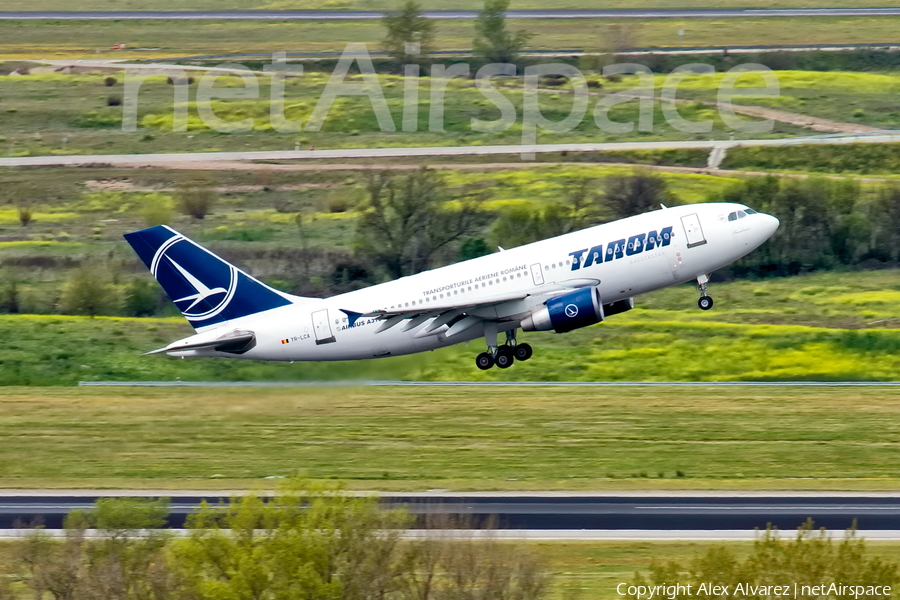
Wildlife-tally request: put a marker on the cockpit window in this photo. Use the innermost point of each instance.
(741, 214)
(732, 216)
(750, 211)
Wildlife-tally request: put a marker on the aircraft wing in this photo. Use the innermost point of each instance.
(454, 318)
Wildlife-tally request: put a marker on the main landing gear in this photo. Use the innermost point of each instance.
(503, 356)
(705, 302)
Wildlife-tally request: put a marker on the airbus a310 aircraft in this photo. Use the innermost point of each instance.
(558, 284)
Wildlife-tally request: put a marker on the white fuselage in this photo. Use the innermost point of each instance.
(318, 330)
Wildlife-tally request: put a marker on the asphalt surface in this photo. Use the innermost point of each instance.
(429, 151)
(356, 15)
(561, 512)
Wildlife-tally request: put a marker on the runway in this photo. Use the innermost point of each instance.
(654, 515)
(441, 15)
(160, 160)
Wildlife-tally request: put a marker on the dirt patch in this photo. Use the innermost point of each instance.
(801, 120)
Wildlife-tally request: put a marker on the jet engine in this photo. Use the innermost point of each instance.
(574, 310)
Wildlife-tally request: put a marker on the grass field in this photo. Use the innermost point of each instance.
(841, 96)
(817, 327)
(43, 110)
(156, 39)
(460, 439)
(426, 4)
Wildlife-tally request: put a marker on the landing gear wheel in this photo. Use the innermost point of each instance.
(484, 361)
(523, 352)
(705, 303)
(504, 358)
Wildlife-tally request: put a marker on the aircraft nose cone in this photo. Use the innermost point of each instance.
(770, 225)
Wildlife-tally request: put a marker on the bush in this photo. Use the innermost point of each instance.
(196, 198)
(89, 292)
(305, 542)
(812, 558)
(156, 209)
(128, 560)
(142, 297)
(114, 101)
(338, 203)
(25, 214)
(110, 81)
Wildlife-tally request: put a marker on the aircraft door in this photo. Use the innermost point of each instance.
(536, 274)
(692, 230)
(322, 326)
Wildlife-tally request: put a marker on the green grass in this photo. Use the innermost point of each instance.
(460, 439)
(153, 39)
(815, 327)
(849, 97)
(73, 107)
(426, 4)
(859, 159)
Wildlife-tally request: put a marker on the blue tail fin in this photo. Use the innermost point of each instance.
(206, 289)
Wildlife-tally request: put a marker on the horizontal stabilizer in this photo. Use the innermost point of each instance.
(234, 342)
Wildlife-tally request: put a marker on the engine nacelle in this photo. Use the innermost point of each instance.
(619, 306)
(573, 310)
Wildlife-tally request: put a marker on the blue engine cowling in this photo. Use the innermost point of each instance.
(572, 311)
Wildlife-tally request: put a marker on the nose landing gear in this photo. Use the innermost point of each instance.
(705, 302)
(503, 356)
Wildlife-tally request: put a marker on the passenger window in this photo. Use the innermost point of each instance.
(732, 216)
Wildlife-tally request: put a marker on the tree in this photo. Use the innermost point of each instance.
(308, 541)
(408, 222)
(9, 292)
(629, 195)
(126, 562)
(493, 41)
(577, 210)
(887, 224)
(404, 27)
(89, 292)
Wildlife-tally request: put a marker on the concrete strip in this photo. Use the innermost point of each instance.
(432, 151)
(549, 535)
